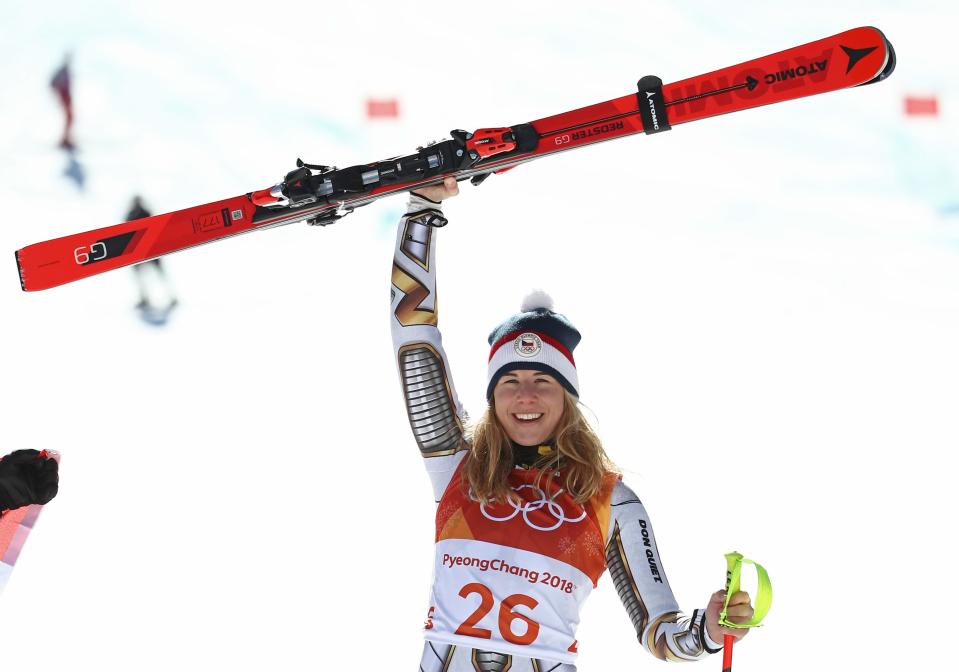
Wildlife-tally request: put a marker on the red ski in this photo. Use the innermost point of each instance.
(323, 194)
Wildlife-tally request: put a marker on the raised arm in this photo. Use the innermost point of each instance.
(637, 571)
(435, 414)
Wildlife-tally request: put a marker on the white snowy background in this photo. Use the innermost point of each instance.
(769, 303)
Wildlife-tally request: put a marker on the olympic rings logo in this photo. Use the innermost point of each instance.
(527, 507)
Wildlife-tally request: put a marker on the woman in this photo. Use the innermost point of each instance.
(530, 512)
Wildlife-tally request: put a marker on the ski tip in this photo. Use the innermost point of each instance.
(890, 63)
(23, 285)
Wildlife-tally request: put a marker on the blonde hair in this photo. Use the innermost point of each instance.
(578, 454)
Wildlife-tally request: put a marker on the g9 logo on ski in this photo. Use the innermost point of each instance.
(96, 252)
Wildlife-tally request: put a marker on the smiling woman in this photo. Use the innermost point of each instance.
(530, 510)
(535, 419)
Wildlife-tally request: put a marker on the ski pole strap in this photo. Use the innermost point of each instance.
(652, 107)
(428, 217)
(762, 600)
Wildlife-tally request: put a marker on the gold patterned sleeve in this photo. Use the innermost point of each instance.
(637, 572)
(434, 411)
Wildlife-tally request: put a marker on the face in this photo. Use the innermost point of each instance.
(529, 405)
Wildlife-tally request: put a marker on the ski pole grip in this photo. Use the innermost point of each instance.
(652, 106)
(763, 598)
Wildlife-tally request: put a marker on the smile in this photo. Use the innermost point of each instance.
(527, 417)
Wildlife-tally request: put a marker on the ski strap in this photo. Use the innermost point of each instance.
(652, 106)
(763, 598)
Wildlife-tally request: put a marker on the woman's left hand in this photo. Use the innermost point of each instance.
(738, 611)
(439, 192)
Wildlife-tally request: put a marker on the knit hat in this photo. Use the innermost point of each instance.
(535, 338)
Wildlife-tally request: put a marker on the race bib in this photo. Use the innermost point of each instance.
(488, 596)
(511, 576)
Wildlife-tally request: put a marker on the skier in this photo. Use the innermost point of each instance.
(27, 477)
(530, 510)
(151, 278)
(61, 85)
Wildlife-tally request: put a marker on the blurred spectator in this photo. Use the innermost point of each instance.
(156, 294)
(61, 86)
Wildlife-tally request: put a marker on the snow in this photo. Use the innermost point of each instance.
(768, 303)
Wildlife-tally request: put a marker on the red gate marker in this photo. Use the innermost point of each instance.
(921, 106)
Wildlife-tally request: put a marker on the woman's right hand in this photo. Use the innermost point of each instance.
(438, 192)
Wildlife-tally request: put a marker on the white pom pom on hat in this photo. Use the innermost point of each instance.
(536, 300)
